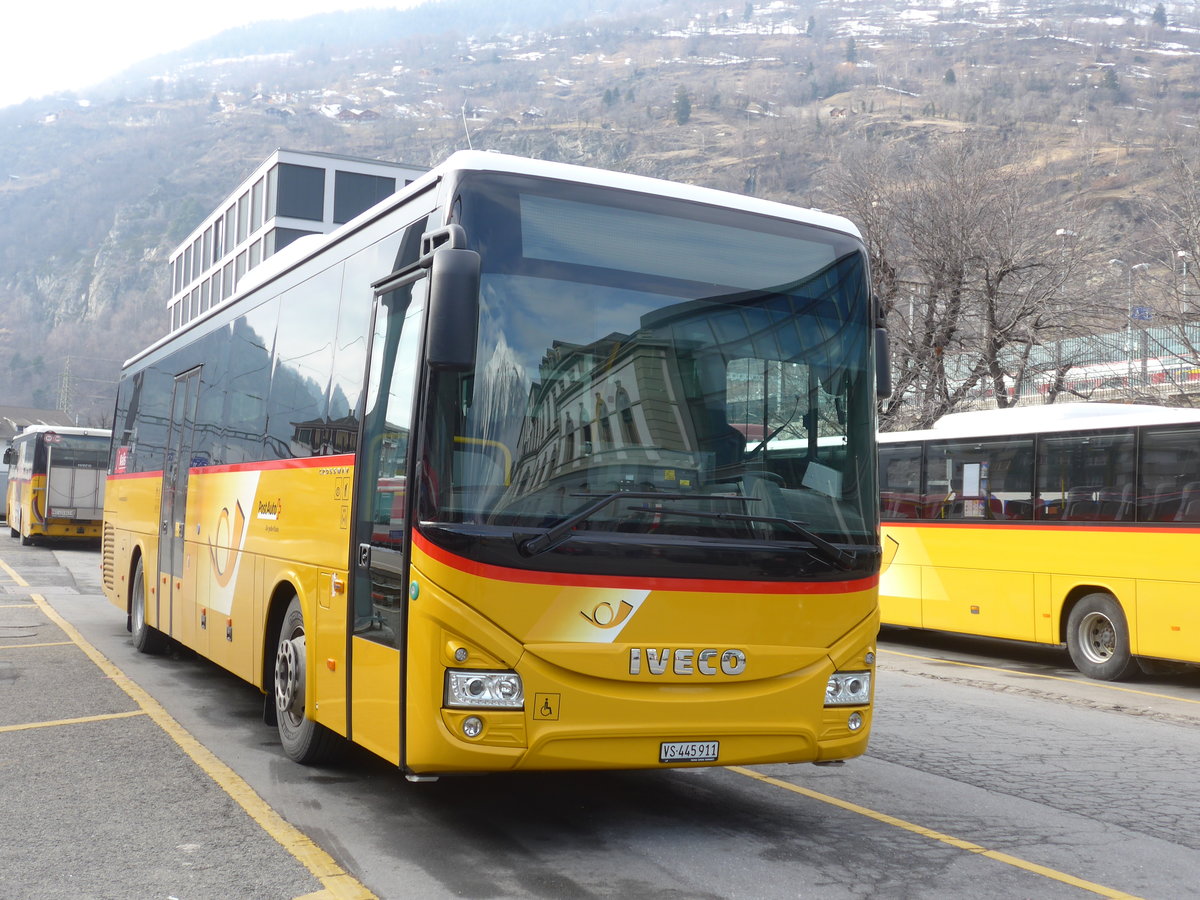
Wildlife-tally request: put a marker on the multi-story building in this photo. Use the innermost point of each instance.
(291, 194)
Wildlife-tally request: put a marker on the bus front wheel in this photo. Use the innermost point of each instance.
(146, 638)
(304, 741)
(1098, 639)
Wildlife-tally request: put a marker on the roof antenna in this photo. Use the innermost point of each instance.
(466, 130)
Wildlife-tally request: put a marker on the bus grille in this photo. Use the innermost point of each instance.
(106, 557)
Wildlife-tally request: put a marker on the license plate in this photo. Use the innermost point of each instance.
(62, 513)
(688, 751)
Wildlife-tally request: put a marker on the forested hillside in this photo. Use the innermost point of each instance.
(1001, 157)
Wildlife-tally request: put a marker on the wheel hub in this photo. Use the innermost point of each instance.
(289, 677)
(1098, 638)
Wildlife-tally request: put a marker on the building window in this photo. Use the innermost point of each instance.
(197, 258)
(256, 198)
(299, 192)
(241, 265)
(218, 239)
(243, 216)
(227, 282)
(216, 287)
(206, 258)
(205, 287)
(255, 253)
(230, 226)
(353, 193)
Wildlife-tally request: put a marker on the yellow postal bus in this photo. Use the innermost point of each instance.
(1053, 524)
(468, 482)
(56, 478)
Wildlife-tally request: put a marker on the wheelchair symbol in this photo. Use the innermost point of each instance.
(545, 706)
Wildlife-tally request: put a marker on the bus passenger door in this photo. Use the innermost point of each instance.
(381, 538)
(172, 515)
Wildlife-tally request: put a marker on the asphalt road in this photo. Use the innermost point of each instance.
(994, 772)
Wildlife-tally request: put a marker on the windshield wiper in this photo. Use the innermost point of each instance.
(561, 530)
(828, 551)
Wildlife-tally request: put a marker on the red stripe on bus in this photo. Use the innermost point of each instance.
(523, 576)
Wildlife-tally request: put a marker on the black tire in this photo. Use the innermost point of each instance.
(13, 532)
(146, 639)
(304, 741)
(1098, 639)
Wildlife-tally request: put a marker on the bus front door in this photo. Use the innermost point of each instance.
(173, 511)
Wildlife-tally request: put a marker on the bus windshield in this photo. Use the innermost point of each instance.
(657, 353)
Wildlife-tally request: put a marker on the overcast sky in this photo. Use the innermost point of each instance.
(52, 45)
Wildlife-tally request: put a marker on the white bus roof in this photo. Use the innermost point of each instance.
(1052, 417)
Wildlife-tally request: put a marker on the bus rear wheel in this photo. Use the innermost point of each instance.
(304, 741)
(1098, 639)
(146, 638)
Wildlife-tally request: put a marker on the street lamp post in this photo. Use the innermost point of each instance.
(1129, 270)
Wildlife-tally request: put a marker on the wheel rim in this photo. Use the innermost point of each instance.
(139, 608)
(289, 677)
(1097, 638)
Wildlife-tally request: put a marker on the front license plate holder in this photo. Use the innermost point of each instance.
(688, 751)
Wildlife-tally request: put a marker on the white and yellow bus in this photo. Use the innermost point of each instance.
(56, 477)
(1055, 524)
(468, 483)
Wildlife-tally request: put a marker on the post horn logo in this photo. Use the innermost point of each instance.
(604, 616)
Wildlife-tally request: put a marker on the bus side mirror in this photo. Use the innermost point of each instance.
(8, 456)
(883, 364)
(453, 309)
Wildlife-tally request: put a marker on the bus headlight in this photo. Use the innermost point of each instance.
(483, 690)
(848, 689)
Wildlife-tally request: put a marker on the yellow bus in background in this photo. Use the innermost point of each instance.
(56, 478)
(1066, 524)
(468, 481)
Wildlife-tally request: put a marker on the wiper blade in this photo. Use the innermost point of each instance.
(824, 548)
(561, 530)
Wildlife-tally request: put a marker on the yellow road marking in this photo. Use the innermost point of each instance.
(1006, 858)
(1099, 684)
(337, 883)
(43, 644)
(16, 605)
(78, 721)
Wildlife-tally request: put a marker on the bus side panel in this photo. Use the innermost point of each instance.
(133, 502)
(376, 695)
(1168, 621)
(980, 601)
(900, 583)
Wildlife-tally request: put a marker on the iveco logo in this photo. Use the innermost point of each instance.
(686, 661)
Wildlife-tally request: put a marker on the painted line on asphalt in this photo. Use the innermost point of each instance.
(43, 644)
(337, 883)
(78, 721)
(959, 843)
(1090, 682)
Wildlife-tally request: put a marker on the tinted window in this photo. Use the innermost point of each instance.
(1169, 487)
(249, 382)
(299, 425)
(980, 479)
(1086, 476)
(301, 192)
(900, 481)
(354, 193)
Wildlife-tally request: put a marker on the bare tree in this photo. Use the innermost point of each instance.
(974, 265)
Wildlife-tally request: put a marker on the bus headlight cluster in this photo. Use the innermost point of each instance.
(848, 689)
(484, 690)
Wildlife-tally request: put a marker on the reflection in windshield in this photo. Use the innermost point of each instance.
(737, 396)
